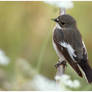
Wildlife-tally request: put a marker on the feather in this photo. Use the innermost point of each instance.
(68, 58)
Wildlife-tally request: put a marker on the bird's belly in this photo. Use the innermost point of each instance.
(60, 55)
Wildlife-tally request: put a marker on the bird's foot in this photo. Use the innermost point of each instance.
(63, 63)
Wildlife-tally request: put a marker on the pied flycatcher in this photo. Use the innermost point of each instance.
(67, 42)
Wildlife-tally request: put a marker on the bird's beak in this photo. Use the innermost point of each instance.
(55, 20)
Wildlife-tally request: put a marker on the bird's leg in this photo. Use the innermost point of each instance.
(63, 63)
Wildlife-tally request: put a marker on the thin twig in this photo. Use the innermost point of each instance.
(62, 11)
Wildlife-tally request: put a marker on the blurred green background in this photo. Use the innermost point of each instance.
(26, 33)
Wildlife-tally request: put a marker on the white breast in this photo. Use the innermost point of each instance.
(60, 55)
(58, 26)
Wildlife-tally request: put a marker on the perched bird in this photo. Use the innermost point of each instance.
(69, 46)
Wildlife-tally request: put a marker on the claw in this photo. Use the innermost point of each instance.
(60, 63)
(57, 65)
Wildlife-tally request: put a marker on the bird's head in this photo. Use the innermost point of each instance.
(65, 21)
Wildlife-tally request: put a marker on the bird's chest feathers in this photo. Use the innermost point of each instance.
(58, 26)
(57, 49)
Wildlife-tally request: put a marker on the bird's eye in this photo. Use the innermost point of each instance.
(57, 20)
(62, 23)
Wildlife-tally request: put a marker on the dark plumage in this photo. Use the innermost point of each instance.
(68, 42)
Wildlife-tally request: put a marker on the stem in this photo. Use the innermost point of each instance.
(40, 59)
(62, 11)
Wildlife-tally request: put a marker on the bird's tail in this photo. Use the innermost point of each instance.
(87, 70)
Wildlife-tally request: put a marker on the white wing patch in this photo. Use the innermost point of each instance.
(84, 47)
(69, 48)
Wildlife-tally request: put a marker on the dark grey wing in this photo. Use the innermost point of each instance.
(81, 54)
(58, 38)
(74, 41)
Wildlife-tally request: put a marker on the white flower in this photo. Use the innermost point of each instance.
(4, 60)
(44, 84)
(61, 4)
(65, 80)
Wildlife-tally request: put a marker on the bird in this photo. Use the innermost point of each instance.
(69, 46)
